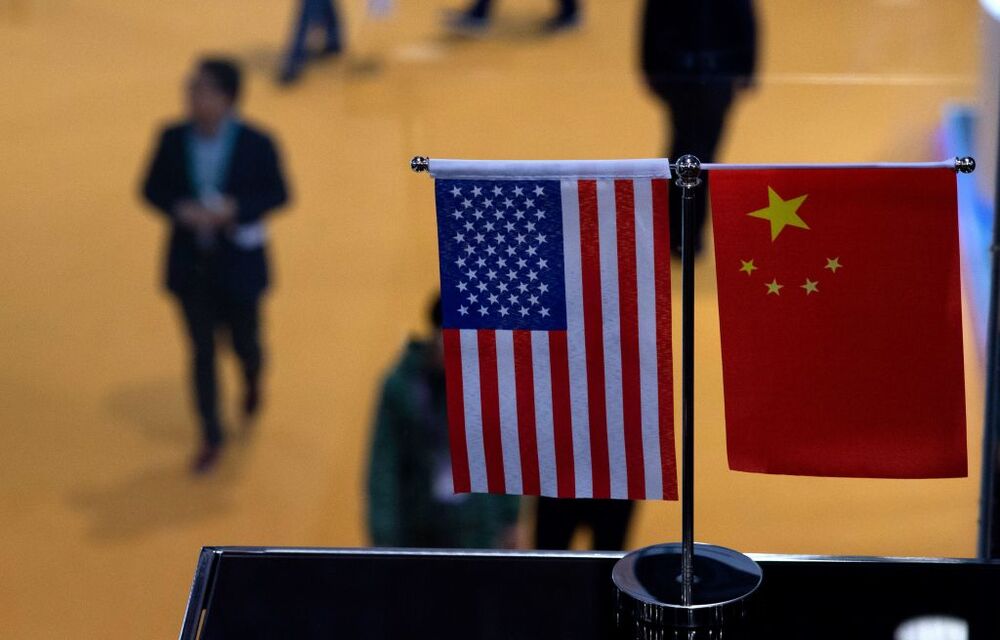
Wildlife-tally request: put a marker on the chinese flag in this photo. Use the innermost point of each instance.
(840, 311)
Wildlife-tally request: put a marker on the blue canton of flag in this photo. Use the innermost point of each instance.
(501, 248)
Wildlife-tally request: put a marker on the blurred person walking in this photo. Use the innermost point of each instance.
(215, 178)
(557, 520)
(697, 57)
(321, 15)
(476, 17)
(411, 497)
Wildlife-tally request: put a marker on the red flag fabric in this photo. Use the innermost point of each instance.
(840, 314)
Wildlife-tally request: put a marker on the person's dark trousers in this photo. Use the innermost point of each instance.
(558, 519)
(205, 310)
(697, 114)
(481, 8)
(313, 13)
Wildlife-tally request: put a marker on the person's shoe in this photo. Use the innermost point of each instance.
(206, 459)
(290, 74)
(329, 50)
(466, 24)
(562, 22)
(251, 400)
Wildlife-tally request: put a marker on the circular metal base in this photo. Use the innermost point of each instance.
(650, 590)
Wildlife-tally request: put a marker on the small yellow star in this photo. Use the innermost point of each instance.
(780, 213)
(774, 287)
(747, 266)
(810, 286)
(833, 264)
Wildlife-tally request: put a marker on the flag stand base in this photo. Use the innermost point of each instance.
(651, 602)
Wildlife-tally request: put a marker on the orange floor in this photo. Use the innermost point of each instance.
(100, 523)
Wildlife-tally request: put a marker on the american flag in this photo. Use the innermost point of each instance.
(556, 313)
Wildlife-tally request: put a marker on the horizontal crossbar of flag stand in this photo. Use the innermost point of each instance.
(421, 164)
(961, 165)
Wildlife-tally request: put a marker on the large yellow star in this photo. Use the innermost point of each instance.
(780, 213)
(773, 287)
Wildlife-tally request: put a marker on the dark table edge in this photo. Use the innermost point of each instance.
(210, 557)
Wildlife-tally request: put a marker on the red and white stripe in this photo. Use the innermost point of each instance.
(585, 412)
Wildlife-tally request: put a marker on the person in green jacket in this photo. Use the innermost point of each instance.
(411, 499)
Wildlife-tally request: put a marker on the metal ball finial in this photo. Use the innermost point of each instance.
(965, 165)
(688, 168)
(420, 164)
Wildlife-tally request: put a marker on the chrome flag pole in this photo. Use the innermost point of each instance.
(688, 169)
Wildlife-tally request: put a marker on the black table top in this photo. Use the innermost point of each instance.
(369, 593)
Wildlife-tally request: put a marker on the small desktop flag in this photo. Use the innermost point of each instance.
(840, 312)
(555, 287)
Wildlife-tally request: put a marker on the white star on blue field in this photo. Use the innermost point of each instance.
(501, 252)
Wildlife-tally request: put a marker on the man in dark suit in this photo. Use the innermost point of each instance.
(215, 179)
(696, 57)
